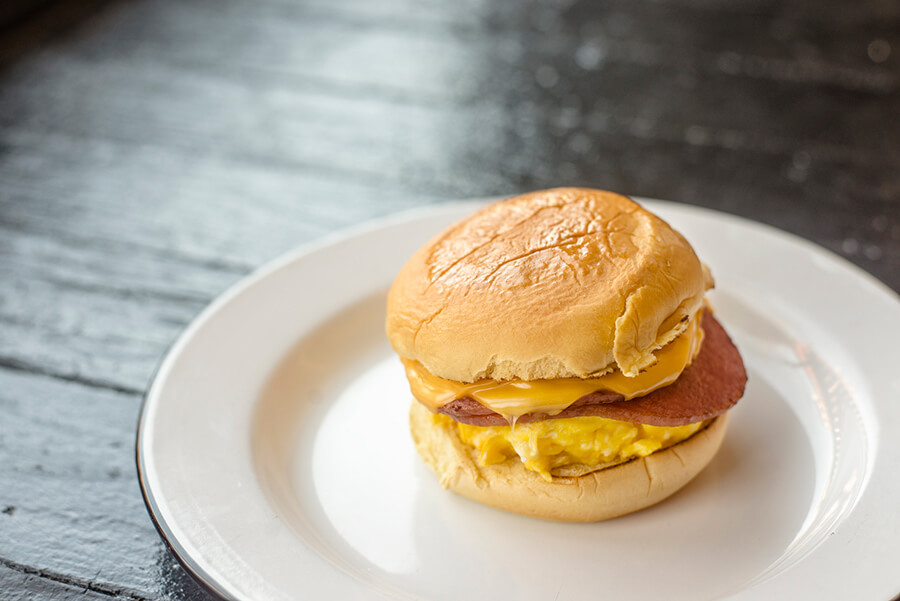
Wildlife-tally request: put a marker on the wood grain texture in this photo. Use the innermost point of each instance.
(154, 152)
(71, 506)
(22, 583)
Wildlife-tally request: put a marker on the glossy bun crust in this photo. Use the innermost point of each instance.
(567, 282)
(595, 496)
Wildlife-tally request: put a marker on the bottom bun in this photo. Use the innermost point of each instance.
(598, 495)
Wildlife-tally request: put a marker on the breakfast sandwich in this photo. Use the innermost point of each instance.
(563, 359)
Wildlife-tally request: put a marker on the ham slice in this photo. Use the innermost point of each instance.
(708, 387)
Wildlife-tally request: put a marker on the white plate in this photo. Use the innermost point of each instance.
(275, 459)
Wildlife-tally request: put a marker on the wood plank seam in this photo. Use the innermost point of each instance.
(717, 137)
(119, 244)
(617, 123)
(95, 587)
(18, 365)
(440, 187)
(326, 172)
(126, 293)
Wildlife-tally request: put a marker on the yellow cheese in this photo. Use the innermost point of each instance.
(514, 398)
(554, 443)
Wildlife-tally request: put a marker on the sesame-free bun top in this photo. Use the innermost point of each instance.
(569, 282)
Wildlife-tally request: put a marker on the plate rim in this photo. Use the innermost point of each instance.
(168, 537)
(170, 355)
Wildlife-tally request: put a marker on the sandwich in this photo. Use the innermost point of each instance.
(563, 359)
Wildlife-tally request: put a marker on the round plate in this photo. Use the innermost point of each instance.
(274, 454)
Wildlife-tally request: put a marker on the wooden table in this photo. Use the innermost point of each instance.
(152, 152)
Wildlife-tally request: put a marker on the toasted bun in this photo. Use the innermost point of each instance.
(560, 283)
(598, 495)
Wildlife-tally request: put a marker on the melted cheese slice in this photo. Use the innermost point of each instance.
(514, 398)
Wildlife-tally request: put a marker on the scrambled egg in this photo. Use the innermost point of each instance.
(546, 445)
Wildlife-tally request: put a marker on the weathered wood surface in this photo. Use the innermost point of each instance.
(157, 150)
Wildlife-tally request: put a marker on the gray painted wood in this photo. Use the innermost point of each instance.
(153, 152)
(22, 583)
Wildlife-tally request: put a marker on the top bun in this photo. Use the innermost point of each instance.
(569, 282)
